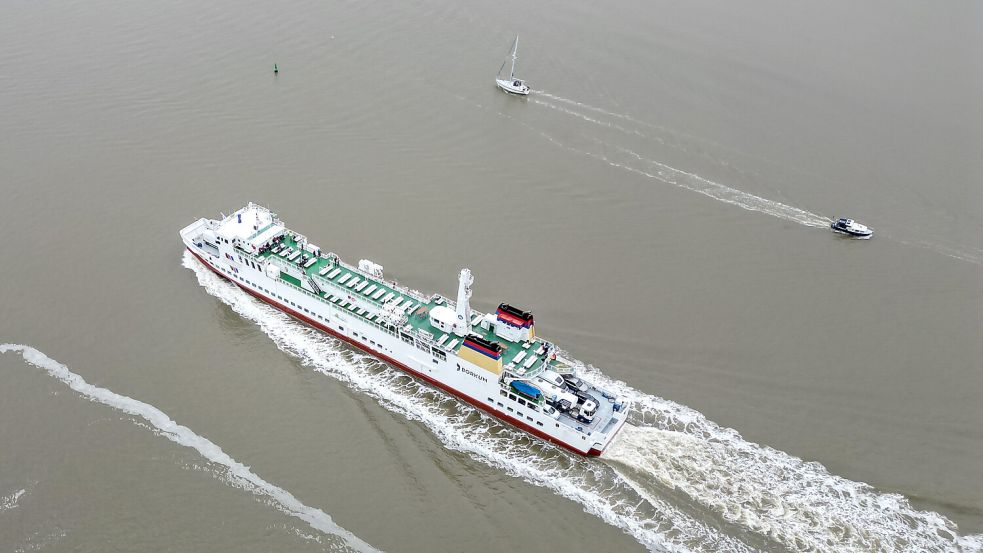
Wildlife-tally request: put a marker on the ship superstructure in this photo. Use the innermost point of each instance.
(494, 361)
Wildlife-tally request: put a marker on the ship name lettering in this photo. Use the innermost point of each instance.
(471, 373)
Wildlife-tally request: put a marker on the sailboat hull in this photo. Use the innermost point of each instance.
(508, 86)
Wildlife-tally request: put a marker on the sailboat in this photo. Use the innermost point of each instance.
(512, 84)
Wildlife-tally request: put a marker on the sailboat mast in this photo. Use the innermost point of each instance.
(515, 48)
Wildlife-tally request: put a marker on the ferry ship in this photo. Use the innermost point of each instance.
(494, 361)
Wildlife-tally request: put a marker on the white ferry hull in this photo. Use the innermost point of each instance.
(591, 451)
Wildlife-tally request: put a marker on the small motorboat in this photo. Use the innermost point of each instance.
(851, 228)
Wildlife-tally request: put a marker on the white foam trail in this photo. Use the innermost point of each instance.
(604, 111)
(655, 523)
(796, 503)
(590, 119)
(8, 502)
(673, 134)
(182, 435)
(39, 540)
(693, 182)
(726, 194)
(962, 253)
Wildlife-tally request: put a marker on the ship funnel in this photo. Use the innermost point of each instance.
(462, 327)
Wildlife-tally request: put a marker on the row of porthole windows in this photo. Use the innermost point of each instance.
(340, 328)
(271, 293)
(521, 401)
(528, 418)
(503, 393)
(380, 346)
(234, 275)
(248, 262)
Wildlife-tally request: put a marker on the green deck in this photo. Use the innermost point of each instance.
(418, 318)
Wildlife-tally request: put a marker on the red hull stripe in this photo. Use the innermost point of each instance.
(493, 412)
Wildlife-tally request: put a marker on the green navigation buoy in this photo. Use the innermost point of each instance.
(275, 69)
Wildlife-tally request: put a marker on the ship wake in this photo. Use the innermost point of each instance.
(797, 504)
(630, 160)
(661, 479)
(10, 501)
(236, 473)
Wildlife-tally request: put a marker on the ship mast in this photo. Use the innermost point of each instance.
(515, 48)
(463, 325)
